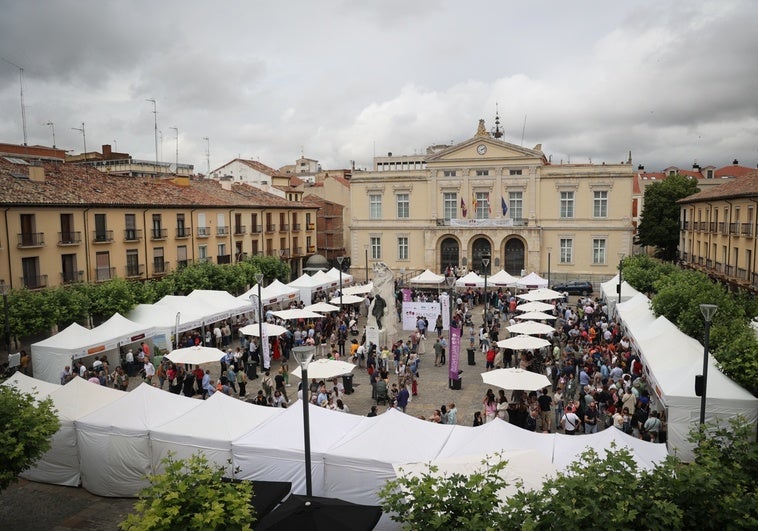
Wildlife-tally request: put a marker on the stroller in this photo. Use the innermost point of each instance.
(353, 327)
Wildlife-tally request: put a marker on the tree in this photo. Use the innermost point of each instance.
(192, 495)
(26, 429)
(659, 221)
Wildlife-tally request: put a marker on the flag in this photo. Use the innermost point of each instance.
(463, 208)
(489, 207)
(503, 205)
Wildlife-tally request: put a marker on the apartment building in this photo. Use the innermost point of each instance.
(64, 223)
(485, 197)
(718, 231)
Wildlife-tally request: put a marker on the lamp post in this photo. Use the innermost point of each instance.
(485, 265)
(303, 356)
(708, 311)
(365, 247)
(5, 289)
(450, 280)
(340, 259)
(259, 281)
(618, 287)
(549, 249)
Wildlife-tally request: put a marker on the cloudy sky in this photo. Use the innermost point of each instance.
(340, 80)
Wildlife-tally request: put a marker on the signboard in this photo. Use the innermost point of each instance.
(454, 354)
(413, 310)
(372, 335)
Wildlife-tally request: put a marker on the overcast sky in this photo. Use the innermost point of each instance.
(673, 81)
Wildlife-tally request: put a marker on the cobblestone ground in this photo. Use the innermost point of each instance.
(36, 506)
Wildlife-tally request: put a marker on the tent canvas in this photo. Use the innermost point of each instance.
(275, 449)
(329, 282)
(531, 281)
(210, 428)
(51, 355)
(635, 314)
(40, 389)
(222, 303)
(470, 279)
(360, 289)
(334, 273)
(60, 464)
(427, 277)
(609, 292)
(501, 279)
(568, 448)
(307, 285)
(274, 293)
(114, 447)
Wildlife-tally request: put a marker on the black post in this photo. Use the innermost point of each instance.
(306, 432)
(7, 323)
(618, 287)
(705, 370)
(366, 265)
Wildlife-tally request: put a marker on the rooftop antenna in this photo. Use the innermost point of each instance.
(115, 145)
(523, 130)
(52, 126)
(497, 132)
(207, 155)
(155, 122)
(84, 138)
(176, 130)
(23, 107)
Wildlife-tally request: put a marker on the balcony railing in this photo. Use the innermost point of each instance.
(222, 231)
(160, 268)
(31, 239)
(729, 270)
(284, 253)
(271, 227)
(183, 232)
(296, 226)
(311, 226)
(104, 236)
(69, 238)
(132, 235)
(158, 234)
(734, 228)
(297, 251)
(240, 230)
(747, 229)
(182, 263)
(256, 229)
(685, 225)
(224, 259)
(741, 273)
(203, 232)
(284, 227)
(722, 227)
(136, 270)
(71, 277)
(34, 281)
(104, 273)
(710, 226)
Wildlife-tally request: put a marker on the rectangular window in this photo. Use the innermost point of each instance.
(32, 278)
(202, 253)
(567, 250)
(449, 173)
(600, 204)
(159, 266)
(157, 228)
(132, 263)
(403, 205)
(515, 172)
(375, 206)
(449, 205)
(598, 251)
(376, 248)
(402, 248)
(481, 173)
(67, 229)
(181, 256)
(482, 200)
(102, 266)
(516, 205)
(68, 268)
(567, 204)
(101, 231)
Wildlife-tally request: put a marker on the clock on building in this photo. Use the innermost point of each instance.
(481, 149)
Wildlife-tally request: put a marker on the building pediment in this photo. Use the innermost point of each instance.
(485, 148)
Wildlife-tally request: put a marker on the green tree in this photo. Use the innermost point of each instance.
(455, 501)
(642, 272)
(659, 221)
(26, 429)
(191, 495)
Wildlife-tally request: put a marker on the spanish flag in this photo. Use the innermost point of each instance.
(463, 208)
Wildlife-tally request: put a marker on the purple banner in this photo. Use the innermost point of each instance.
(454, 352)
(406, 295)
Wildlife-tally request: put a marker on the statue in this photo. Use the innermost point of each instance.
(383, 302)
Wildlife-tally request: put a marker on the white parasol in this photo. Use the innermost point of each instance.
(269, 329)
(535, 306)
(322, 307)
(534, 316)
(323, 369)
(530, 328)
(195, 355)
(516, 379)
(523, 343)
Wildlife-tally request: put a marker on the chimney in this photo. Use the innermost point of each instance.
(107, 151)
(641, 167)
(735, 162)
(37, 174)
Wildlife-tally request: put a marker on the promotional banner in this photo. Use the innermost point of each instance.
(372, 335)
(413, 310)
(406, 295)
(454, 353)
(445, 303)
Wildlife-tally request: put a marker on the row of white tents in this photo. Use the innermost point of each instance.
(110, 440)
(472, 280)
(158, 322)
(672, 359)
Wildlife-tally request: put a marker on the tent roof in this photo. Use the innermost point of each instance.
(427, 277)
(568, 448)
(70, 338)
(163, 315)
(495, 436)
(330, 281)
(79, 398)
(306, 281)
(118, 329)
(609, 289)
(273, 293)
(26, 384)
(502, 278)
(532, 280)
(635, 312)
(335, 273)
(222, 303)
(470, 279)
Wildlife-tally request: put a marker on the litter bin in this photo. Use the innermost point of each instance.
(471, 360)
(347, 382)
(456, 384)
(252, 371)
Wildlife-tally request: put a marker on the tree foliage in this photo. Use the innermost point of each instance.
(26, 429)
(659, 221)
(191, 495)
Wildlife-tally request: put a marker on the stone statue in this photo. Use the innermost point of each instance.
(383, 302)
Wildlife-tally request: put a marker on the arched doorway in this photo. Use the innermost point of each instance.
(514, 256)
(481, 247)
(450, 253)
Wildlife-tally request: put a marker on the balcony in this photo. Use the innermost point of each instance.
(685, 225)
(102, 236)
(31, 239)
(311, 248)
(271, 227)
(712, 226)
(734, 228)
(69, 238)
(71, 277)
(132, 235)
(135, 270)
(256, 229)
(160, 268)
(297, 226)
(203, 232)
(158, 234)
(182, 263)
(310, 226)
(183, 232)
(239, 230)
(297, 251)
(284, 253)
(34, 281)
(285, 227)
(104, 273)
(224, 259)
(222, 231)
(747, 229)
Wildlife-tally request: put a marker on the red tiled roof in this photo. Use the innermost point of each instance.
(745, 186)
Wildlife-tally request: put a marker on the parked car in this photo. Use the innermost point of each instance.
(574, 287)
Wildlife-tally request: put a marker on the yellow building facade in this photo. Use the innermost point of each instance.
(486, 197)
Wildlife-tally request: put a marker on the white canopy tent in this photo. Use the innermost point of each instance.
(274, 293)
(51, 355)
(502, 279)
(163, 318)
(60, 465)
(40, 389)
(470, 280)
(114, 446)
(635, 314)
(609, 292)
(428, 278)
(275, 449)
(329, 282)
(360, 289)
(307, 285)
(568, 448)
(531, 281)
(210, 428)
(334, 273)
(224, 304)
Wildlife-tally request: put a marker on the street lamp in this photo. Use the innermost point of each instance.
(708, 311)
(485, 265)
(304, 356)
(340, 259)
(450, 281)
(365, 247)
(259, 281)
(5, 289)
(549, 249)
(618, 287)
